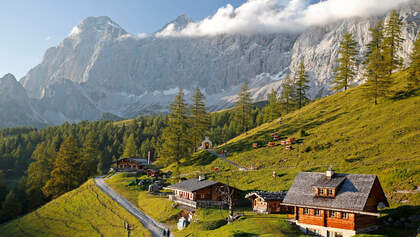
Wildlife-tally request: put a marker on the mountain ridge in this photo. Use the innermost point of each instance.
(112, 71)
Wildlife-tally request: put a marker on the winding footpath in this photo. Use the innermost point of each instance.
(155, 227)
(229, 161)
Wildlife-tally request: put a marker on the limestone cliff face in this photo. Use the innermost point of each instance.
(16, 108)
(108, 70)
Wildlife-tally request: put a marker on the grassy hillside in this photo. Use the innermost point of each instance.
(86, 211)
(345, 130)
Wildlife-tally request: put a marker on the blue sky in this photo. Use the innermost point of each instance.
(29, 27)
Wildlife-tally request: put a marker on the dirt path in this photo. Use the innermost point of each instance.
(229, 161)
(155, 227)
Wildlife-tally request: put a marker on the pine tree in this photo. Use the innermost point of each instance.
(301, 85)
(90, 156)
(347, 63)
(11, 207)
(378, 80)
(272, 110)
(414, 68)
(288, 94)
(66, 173)
(200, 119)
(243, 109)
(176, 140)
(130, 149)
(392, 42)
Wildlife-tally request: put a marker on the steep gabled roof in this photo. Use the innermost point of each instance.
(192, 185)
(137, 160)
(268, 196)
(352, 195)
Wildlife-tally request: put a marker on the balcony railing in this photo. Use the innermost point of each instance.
(195, 204)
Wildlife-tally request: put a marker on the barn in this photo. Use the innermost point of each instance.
(267, 202)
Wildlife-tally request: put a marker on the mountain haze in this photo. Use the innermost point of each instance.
(100, 68)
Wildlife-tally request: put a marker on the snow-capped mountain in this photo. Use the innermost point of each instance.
(101, 68)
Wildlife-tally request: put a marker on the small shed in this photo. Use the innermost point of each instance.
(267, 202)
(206, 144)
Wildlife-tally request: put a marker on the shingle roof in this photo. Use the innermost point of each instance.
(333, 182)
(352, 194)
(192, 185)
(137, 160)
(268, 196)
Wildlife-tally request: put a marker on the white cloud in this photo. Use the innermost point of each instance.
(257, 16)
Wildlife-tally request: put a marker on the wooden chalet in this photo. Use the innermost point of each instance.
(267, 202)
(194, 193)
(335, 205)
(131, 164)
(153, 172)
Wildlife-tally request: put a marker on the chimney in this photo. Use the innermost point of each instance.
(329, 173)
(201, 178)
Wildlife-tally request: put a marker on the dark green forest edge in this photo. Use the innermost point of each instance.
(372, 128)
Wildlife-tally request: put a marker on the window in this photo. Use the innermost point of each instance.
(321, 191)
(203, 196)
(315, 232)
(334, 214)
(338, 234)
(306, 211)
(345, 215)
(330, 192)
(317, 212)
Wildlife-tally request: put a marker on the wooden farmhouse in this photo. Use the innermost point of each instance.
(131, 164)
(194, 193)
(335, 205)
(153, 172)
(267, 202)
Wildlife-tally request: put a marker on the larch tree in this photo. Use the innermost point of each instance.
(243, 109)
(200, 119)
(347, 63)
(414, 68)
(176, 140)
(66, 174)
(272, 110)
(11, 207)
(130, 148)
(90, 156)
(301, 85)
(392, 42)
(378, 80)
(288, 94)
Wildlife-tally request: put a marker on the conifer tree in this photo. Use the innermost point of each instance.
(272, 110)
(130, 149)
(378, 80)
(176, 140)
(11, 207)
(66, 173)
(414, 68)
(90, 155)
(243, 109)
(347, 63)
(301, 85)
(288, 94)
(392, 42)
(200, 119)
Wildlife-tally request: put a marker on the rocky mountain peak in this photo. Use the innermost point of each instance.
(178, 24)
(100, 24)
(8, 77)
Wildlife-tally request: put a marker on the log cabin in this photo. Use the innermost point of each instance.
(335, 205)
(195, 193)
(131, 164)
(267, 202)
